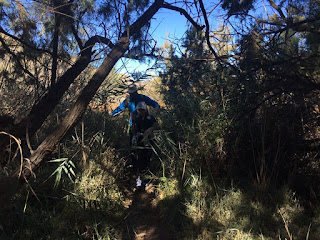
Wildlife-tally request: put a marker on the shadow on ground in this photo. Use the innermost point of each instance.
(153, 219)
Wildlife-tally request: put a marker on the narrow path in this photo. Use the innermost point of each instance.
(145, 220)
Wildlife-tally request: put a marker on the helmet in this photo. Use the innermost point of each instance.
(141, 105)
(132, 88)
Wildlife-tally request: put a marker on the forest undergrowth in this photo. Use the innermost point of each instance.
(90, 195)
(237, 154)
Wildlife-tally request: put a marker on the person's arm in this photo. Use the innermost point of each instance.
(150, 130)
(155, 126)
(119, 109)
(151, 102)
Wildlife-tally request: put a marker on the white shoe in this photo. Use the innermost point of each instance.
(139, 182)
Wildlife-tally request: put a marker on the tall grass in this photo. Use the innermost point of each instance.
(195, 191)
(239, 214)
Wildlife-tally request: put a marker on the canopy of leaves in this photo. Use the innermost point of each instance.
(237, 7)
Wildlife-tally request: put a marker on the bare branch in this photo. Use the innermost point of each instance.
(276, 7)
(183, 12)
(207, 31)
(98, 39)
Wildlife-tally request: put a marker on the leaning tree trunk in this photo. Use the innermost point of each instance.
(42, 109)
(76, 112)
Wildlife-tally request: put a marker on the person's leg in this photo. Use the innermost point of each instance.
(144, 163)
(139, 162)
(133, 152)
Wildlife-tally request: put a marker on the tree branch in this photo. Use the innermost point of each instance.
(41, 109)
(276, 7)
(5, 46)
(88, 91)
(98, 39)
(23, 42)
(55, 45)
(301, 26)
(183, 12)
(207, 32)
(76, 36)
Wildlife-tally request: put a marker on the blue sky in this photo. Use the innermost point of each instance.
(166, 24)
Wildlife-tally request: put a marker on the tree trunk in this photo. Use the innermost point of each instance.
(41, 109)
(76, 112)
(55, 49)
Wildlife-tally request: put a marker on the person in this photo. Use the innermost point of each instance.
(142, 128)
(132, 100)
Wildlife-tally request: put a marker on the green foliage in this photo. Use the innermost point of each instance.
(251, 120)
(267, 102)
(126, 15)
(165, 150)
(65, 166)
(91, 206)
(246, 122)
(237, 7)
(232, 213)
(107, 9)
(101, 236)
(195, 106)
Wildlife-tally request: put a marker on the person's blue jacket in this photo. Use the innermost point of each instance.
(131, 103)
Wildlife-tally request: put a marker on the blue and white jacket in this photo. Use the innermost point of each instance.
(131, 103)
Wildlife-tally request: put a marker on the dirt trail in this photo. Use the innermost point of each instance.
(145, 220)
